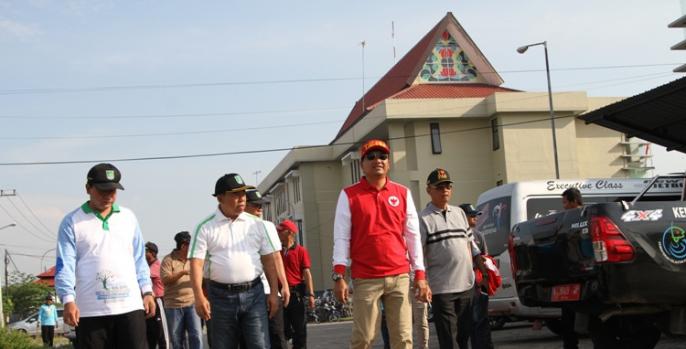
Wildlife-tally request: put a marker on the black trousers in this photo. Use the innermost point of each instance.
(453, 319)
(570, 340)
(295, 317)
(481, 329)
(126, 330)
(47, 333)
(154, 329)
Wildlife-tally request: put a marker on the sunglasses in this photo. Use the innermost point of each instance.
(376, 155)
(445, 186)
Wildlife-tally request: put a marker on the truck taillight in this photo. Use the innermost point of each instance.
(609, 244)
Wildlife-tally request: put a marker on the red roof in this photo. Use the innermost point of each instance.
(47, 277)
(397, 83)
(450, 91)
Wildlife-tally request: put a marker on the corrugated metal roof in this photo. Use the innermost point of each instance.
(658, 115)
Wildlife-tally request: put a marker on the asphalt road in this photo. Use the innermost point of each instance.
(517, 335)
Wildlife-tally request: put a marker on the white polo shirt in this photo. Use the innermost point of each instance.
(232, 247)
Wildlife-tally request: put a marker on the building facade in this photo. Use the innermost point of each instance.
(442, 105)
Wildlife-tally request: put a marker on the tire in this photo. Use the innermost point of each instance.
(497, 322)
(555, 326)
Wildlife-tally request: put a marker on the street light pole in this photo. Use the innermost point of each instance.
(523, 49)
(2, 312)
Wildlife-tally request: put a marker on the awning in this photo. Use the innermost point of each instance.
(658, 115)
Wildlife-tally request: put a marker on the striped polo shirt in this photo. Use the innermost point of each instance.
(232, 248)
(448, 249)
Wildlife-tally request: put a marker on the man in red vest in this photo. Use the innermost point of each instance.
(376, 229)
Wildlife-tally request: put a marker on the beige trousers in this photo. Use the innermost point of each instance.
(393, 291)
(420, 322)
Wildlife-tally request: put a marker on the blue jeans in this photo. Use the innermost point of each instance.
(236, 314)
(180, 321)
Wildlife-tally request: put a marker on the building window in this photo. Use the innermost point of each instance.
(495, 134)
(355, 170)
(435, 139)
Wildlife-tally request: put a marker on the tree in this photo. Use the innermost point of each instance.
(23, 296)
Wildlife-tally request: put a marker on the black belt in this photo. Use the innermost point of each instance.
(240, 287)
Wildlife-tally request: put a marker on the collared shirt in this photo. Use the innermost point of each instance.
(48, 315)
(157, 286)
(376, 230)
(449, 248)
(295, 260)
(232, 247)
(177, 294)
(273, 236)
(101, 262)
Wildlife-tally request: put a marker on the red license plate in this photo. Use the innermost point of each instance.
(566, 293)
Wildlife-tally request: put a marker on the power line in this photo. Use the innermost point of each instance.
(285, 81)
(35, 216)
(245, 152)
(22, 227)
(174, 133)
(21, 213)
(625, 80)
(172, 116)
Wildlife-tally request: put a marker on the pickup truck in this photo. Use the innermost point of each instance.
(620, 266)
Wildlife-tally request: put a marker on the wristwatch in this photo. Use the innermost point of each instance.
(336, 276)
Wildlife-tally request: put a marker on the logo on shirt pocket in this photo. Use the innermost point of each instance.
(393, 201)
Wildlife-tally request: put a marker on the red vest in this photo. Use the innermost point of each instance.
(378, 218)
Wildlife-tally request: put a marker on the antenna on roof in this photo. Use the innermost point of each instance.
(363, 43)
(393, 39)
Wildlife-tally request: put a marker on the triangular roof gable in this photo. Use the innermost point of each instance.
(405, 73)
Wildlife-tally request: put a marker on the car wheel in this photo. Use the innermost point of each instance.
(497, 322)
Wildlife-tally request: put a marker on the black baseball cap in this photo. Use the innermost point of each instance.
(438, 176)
(255, 197)
(182, 237)
(469, 210)
(231, 182)
(104, 177)
(151, 246)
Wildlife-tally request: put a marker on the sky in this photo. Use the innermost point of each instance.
(94, 80)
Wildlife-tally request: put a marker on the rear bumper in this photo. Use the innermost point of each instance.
(511, 306)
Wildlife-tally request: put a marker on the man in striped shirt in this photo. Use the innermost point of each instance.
(449, 250)
(238, 249)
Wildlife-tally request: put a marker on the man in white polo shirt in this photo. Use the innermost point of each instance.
(101, 266)
(238, 249)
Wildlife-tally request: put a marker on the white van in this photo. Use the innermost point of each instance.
(504, 206)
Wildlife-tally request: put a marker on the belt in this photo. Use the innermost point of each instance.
(240, 287)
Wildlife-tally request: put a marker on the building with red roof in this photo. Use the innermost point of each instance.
(444, 105)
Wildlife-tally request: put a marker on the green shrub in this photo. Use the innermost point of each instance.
(16, 340)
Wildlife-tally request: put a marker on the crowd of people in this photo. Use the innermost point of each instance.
(249, 282)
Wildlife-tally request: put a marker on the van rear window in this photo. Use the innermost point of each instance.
(494, 224)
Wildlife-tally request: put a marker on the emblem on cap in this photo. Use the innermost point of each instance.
(238, 179)
(442, 174)
(109, 174)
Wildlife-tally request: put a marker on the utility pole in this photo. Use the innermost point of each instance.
(7, 262)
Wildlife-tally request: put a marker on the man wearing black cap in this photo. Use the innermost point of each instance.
(182, 320)
(277, 334)
(101, 265)
(238, 250)
(47, 316)
(449, 251)
(481, 329)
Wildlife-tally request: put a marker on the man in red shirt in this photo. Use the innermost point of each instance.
(296, 261)
(376, 229)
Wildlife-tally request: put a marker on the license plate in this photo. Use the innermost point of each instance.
(566, 293)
